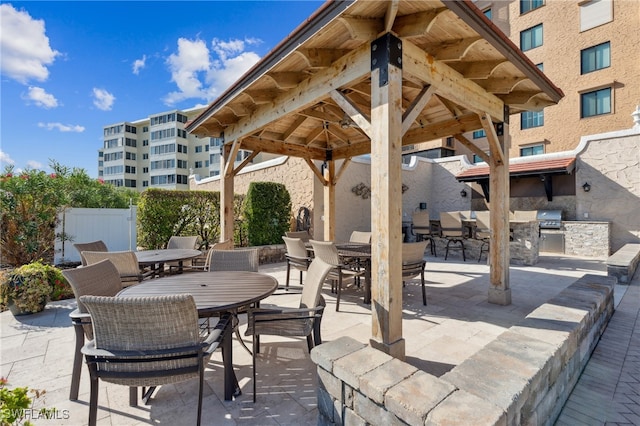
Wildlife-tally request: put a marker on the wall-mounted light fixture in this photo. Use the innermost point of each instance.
(586, 187)
(463, 193)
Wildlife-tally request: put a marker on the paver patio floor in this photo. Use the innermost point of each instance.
(37, 350)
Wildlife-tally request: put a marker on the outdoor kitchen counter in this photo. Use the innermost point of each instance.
(524, 245)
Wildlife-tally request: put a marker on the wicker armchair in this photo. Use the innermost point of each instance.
(296, 256)
(451, 224)
(99, 279)
(413, 263)
(92, 246)
(301, 322)
(126, 262)
(360, 237)
(327, 251)
(148, 342)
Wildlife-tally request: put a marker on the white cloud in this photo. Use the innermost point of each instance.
(32, 164)
(41, 97)
(26, 52)
(5, 159)
(202, 73)
(62, 127)
(102, 99)
(139, 64)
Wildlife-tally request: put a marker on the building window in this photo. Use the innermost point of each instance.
(531, 38)
(595, 58)
(487, 13)
(595, 13)
(532, 150)
(479, 134)
(529, 5)
(530, 119)
(197, 165)
(540, 66)
(477, 159)
(198, 148)
(449, 142)
(597, 102)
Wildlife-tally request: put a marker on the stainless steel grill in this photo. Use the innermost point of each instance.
(550, 219)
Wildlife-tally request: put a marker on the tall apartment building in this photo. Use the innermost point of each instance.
(590, 49)
(156, 152)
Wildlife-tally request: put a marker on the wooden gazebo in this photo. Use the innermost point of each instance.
(369, 76)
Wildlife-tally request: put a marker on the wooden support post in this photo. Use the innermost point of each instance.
(330, 201)
(499, 257)
(386, 195)
(226, 195)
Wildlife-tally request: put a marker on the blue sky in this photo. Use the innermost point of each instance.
(70, 68)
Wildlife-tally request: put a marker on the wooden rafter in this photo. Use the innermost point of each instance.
(416, 107)
(495, 148)
(473, 147)
(416, 24)
(352, 110)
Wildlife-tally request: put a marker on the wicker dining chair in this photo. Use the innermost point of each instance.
(291, 322)
(235, 260)
(296, 256)
(181, 242)
(98, 245)
(413, 263)
(147, 342)
(126, 262)
(303, 235)
(483, 231)
(204, 265)
(451, 228)
(327, 251)
(99, 279)
(422, 229)
(360, 237)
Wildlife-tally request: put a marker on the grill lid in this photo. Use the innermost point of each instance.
(549, 215)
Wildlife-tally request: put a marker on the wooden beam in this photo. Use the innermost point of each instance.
(316, 172)
(478, 70)
(297, 123)
(416, 107)
(343, 167)
(455, 51)
(390, 15)
(352, 110)
(286, 80)
(235, 147)
(502, 85)
(474, 148)
(283, 148)
(386, 199)
(495, 149)
(344, 71)
(246, 161)
(321, 58)
(226, 197)
(416, 24)
(449, 83)
(330, 201)
(441, 129)
(362, 29)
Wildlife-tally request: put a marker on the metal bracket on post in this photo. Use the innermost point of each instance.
(499, 129)
(385, 51)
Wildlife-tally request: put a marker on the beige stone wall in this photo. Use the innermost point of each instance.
(294, 173)
(610, 163)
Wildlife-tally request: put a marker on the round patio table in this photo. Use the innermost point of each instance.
(214, 293)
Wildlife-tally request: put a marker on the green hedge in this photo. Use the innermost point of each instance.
(267, 213)
(163, 213)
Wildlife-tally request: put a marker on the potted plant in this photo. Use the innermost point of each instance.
(27, 289)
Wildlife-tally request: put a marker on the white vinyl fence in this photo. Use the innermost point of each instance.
(116, 227)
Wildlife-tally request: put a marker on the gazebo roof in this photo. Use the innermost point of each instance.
(311, 96)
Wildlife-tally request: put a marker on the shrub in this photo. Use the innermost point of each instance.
(31, 286)
(267, 212)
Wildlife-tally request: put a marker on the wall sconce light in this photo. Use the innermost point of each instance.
(586, 187)
(463, 193)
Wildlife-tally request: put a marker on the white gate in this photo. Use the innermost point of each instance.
(116, 227)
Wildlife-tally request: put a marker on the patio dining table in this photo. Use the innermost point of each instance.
(157, 258)
(214, 293)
